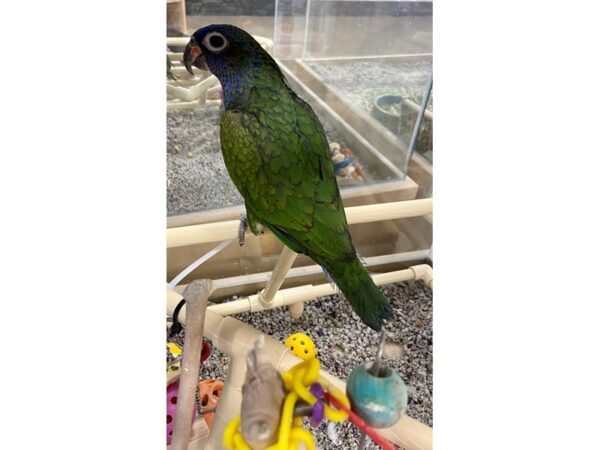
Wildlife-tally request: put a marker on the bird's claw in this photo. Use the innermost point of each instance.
(242, 229)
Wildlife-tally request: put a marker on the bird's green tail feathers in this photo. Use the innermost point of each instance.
(364, 296)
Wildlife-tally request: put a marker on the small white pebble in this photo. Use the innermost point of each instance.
(393, 350)
(332, 433)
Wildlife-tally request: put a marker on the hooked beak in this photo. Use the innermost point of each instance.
(192, 56)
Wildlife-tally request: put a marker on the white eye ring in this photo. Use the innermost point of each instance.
(221, 40)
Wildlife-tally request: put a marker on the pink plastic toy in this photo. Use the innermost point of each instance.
(172, 391)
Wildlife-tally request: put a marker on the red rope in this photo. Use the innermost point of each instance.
(361, 424)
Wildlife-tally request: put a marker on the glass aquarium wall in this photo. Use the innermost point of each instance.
(371, 62)
(324, 29)
(363, 66)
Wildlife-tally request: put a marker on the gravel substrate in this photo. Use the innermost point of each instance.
(197, 178)
(343, 342)
(362, 82)
(196, 175)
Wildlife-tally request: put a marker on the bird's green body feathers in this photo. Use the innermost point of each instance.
(277, 155)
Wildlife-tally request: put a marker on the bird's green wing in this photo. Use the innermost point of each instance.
(280, 163)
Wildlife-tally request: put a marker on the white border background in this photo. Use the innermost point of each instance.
(516, 227)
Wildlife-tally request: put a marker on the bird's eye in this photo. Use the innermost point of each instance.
(215, 42)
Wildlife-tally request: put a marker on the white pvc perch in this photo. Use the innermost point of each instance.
(284, 264)
(300, 294)
(296, 310)
(221, 231)
(195, 92)
(236, 338)
(371, 262)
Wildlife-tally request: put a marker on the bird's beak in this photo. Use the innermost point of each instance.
(192, 56)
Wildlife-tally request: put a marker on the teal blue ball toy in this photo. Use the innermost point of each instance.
(378, 400)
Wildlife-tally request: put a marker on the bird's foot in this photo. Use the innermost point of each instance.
(248, 220)
(242, 229)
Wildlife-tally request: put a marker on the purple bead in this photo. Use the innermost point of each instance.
(318, 413)
(317, 390)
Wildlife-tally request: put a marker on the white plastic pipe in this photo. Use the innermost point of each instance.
(221, 231)
(283, 265)
(296, 272)
(423, 272)
(236, 338)
(194, 92)
(296, 310)
(286, 297)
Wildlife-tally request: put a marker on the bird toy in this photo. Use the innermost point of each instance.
(378, 395)
(305, 394)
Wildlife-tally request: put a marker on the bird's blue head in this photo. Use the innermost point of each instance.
(229, 52)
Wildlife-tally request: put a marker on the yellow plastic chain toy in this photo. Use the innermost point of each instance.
(297, 380)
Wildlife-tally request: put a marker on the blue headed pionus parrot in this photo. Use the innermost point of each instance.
(277, 155)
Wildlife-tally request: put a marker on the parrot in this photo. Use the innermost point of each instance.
(277, 155)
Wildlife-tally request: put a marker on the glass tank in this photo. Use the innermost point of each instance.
(371, 64)
(365, 68)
